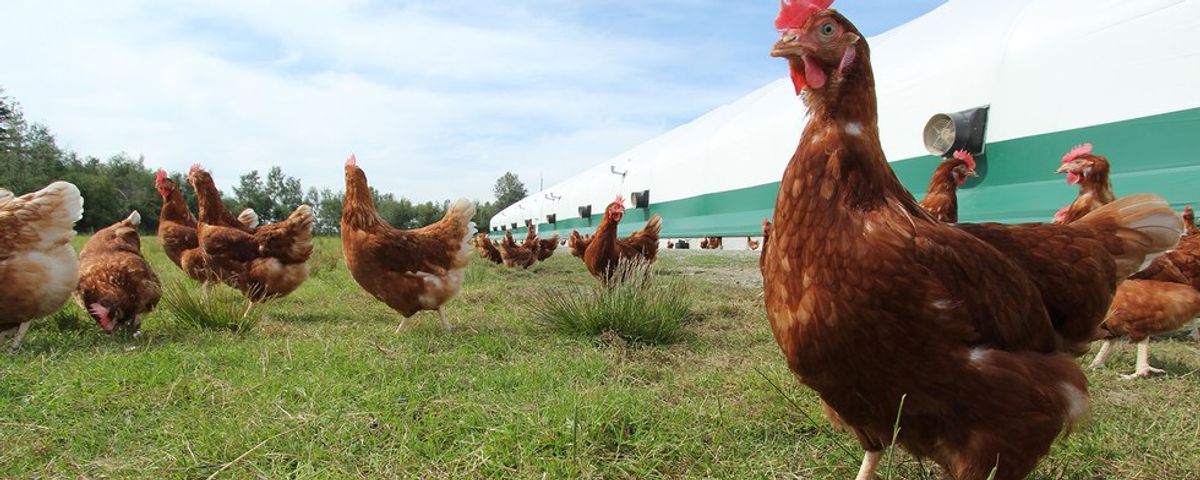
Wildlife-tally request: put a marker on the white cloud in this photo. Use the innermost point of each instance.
(437, 103)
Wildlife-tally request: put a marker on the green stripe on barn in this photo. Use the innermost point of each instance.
(1157, 154)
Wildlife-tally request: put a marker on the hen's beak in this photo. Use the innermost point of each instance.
(791, 44)
(972, 173)
(1066, 167)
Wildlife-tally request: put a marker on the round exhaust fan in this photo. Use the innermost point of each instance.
(948, 132)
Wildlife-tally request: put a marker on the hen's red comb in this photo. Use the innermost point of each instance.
(793, 13)
(195, 168)
(620, 200)
(162, 175)
(352, 161)
(1078, 151)
(966, 157)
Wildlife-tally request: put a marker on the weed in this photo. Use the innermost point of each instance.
(631, 305)
(216, 308)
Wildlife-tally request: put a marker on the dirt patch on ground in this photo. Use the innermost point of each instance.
(737, 268)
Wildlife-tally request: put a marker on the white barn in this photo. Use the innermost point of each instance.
(1046, 75)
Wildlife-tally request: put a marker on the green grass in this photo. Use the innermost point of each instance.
(191, 305)
(631, 305)
(322, 388)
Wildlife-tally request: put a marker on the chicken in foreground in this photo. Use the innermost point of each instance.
(264, 263)
(409, 270)
(487, 250)
(514, 255)
(1141, 309)
(1090, 172)
(605, 251)
(38, 267)
(941, 199)
(116, 284)
(874, 302)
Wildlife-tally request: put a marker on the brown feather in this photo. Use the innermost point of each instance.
(264, 263)
(38, 267)
(409, 270)
(1143, 308)
(871, 299)
(1095, 190)
(487, 250)
(605, 251)
(113, 273)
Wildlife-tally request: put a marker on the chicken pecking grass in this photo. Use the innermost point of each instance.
(631, 305)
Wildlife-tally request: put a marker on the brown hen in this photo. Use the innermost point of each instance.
(116, 284)
(941, 199)
(264, 263)
(578, 243)
(487, 250)
(514, 255)
(605, 251)
(409, 270)
(38, 267)
(546, 248)
(874, 302)
(177, 232)
(1090, 172)
(1143, 308)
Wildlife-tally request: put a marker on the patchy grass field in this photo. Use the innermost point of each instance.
(324, 388)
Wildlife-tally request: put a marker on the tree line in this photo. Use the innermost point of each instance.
(30, 158)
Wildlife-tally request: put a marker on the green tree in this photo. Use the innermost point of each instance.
(285, 192)
(328, 206)
(508, 190)
(251, 193)
(30, 159)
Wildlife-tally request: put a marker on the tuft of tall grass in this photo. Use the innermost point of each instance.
(217, 308)
(631, 305)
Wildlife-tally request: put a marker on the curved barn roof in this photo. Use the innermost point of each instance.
(1042, 66)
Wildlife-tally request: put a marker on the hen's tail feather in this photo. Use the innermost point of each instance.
(50, 213)
(1146, 226)
(249, 218)
(654, 226)
(62, 201)
(303, 213)
(461, 214)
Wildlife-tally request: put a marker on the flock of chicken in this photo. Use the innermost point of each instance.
(964, 334)
(409, 270)
(601, 252)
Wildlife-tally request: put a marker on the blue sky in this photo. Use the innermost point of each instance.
(437, 98)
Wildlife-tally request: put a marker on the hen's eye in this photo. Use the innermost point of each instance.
(827, 30)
